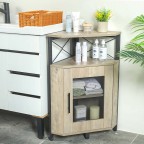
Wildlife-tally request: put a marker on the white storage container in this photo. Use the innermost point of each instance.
(80, 112)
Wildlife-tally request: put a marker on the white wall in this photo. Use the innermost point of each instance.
(131, 95)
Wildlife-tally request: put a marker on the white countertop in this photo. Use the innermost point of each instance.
(30, 30)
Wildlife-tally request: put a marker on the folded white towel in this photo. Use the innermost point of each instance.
(78, 87)
(79, 84)
(99, 91)
(86, 82)
(92, 83)
(90, 89)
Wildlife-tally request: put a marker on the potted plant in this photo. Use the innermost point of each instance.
(102, 16)
(135, 48)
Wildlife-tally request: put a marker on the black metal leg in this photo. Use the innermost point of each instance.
(115, 128)
(40, 127)
(117, 47)
(86, 135)
(49, 84)
(51, 137)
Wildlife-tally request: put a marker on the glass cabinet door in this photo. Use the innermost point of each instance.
(85, 109)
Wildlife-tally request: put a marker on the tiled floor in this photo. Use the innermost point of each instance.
(20, 129)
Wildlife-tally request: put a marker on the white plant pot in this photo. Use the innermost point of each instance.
(102, 26)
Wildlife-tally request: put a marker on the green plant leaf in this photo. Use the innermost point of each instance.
(138, 23)
(134, 51)
(132, 56)
(138, 30)
(138, 37)
(135, 47)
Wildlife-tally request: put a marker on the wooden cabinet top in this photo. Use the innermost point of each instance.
(64, 34)
(71, 63)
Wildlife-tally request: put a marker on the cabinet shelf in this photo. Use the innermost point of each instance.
(71, 63)
(64, 34)
(88, 96)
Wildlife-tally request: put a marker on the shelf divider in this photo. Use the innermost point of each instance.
(88, 96)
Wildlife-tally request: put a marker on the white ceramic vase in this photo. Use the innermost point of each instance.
(102, 26)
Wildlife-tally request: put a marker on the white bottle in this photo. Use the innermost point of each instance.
(84, 52)
(78, 52)
(75, 17)
(76, 25)
(95, 50)
(103, 51)
(68, 23)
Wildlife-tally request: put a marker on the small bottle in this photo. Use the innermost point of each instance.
(103, 51)
(95, 50)
(68, 23)
(76, 25)
(78, 53)
(75, 17)
(84, 52)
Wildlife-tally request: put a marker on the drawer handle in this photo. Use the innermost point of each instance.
(24, 73)
(20, 52)
(68, 102)
(24, 94)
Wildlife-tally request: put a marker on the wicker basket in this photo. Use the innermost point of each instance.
(40, 18)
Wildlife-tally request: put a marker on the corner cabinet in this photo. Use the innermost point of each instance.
(63, 103)
(62, 100)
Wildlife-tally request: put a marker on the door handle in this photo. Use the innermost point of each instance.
(68, 102)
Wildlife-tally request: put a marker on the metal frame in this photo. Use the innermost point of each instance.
(6, 12)
(72, 53)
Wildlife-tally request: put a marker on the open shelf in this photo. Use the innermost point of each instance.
(64, 34)
(88, 96)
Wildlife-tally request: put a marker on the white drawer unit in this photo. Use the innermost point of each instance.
(23, 76)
